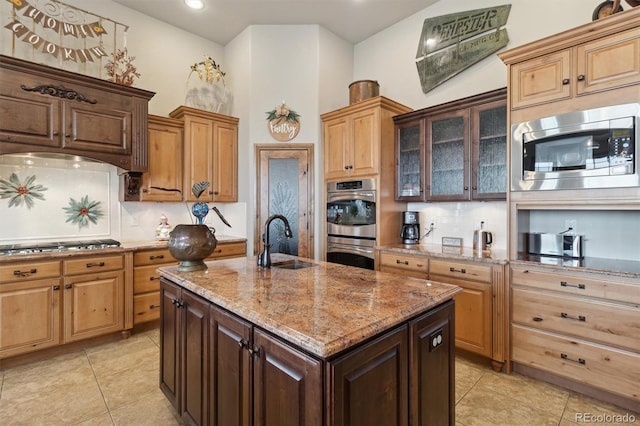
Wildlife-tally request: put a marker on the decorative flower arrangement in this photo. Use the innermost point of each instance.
(19, 192)
(283, 112)
(121, 69)
(200, 209)
(208, 70)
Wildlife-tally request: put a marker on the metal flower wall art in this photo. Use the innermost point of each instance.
(21, 192)
(83, 212)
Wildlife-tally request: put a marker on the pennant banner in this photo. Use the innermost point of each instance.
(77, 30)
(67, 54)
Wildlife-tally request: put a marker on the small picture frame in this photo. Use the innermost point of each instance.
(452, 241)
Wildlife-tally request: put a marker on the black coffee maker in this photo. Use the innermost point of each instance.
(410, 228)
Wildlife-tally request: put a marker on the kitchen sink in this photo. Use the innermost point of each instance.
(292, 264)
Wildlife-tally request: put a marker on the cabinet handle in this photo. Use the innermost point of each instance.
(537, 319)
(177, 302)
(56, 287)
(462, 271)
(68, 286)
(577, 361)
(578, 318)
(161, 256)
(565, 81)
(153, 278)
(466, 188)
(346, 167)
(91, 265)
(19, 273)
(399, 262)
(579, 286)
(217, 251)
(154, 306)
(581, 77)
(254, 351)
(243, 343)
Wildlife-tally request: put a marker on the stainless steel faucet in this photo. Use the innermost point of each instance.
(264, 258)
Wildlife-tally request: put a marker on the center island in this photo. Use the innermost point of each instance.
(306, 343)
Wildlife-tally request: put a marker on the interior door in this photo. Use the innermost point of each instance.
(285, 187)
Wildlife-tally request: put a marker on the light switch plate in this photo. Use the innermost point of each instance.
(452, 241)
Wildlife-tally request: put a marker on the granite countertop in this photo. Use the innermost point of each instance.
(449, 252)
(323, 309)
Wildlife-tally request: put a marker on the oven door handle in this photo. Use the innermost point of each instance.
(350, 196)
(343, 248)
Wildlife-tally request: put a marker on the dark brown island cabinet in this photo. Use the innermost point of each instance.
(218, 368)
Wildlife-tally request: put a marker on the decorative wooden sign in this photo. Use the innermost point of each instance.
(283, 123)
(449, 44)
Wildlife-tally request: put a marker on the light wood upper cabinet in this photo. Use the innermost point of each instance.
(163, 181)
(600, 57)
(353, 136)
(210, 153)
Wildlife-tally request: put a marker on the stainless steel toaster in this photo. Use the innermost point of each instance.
(555, 244)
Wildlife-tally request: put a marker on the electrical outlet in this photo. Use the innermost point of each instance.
(571, 225)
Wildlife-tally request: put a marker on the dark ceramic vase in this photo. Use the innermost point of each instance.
(191, 244)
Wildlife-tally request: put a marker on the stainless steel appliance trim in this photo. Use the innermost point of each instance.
(361, 231)
(367, 184)
(555, 244)
(351, 241)
(350, 249)
(569, 123)
(353, 195)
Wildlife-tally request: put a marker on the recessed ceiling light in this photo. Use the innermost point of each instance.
(194, 4)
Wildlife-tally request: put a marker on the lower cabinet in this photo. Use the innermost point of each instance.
(50, 303)
(219, 369)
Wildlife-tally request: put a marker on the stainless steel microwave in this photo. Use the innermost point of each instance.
(595, 148)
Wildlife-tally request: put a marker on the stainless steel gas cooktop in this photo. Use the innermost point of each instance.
(49, 247)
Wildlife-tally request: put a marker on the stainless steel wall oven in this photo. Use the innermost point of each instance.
(351, 222)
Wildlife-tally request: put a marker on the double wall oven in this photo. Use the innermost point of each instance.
(351, 222)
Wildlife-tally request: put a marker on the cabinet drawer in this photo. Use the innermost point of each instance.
(93, 264)
(600, 321)
(229, 250)
(405, 262)
(152, 257)
(146, 279)
(460, 270)
(146, 307)
(28, 271)
(612, 288)
(611, 369)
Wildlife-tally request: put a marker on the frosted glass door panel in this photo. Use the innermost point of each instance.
(283, 199)
(410, 156)
(492, 146)
(448, 156)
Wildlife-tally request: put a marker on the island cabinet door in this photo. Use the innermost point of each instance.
(369, 385)
(287, 384)
(230, 370)
(431, 367)
(194, 358)
(169, 339)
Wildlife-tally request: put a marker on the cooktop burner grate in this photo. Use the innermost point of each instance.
(48, 247)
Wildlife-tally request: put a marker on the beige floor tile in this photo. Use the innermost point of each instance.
(582, 409)
(128, 386)
(52, 404)
(527, 391)
(123, 355)
(481, 408)
(153, 409)
(467, 375)
(101, 420)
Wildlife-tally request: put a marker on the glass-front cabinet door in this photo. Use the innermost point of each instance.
(410, 161)
(448, 156)
(489, 150)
